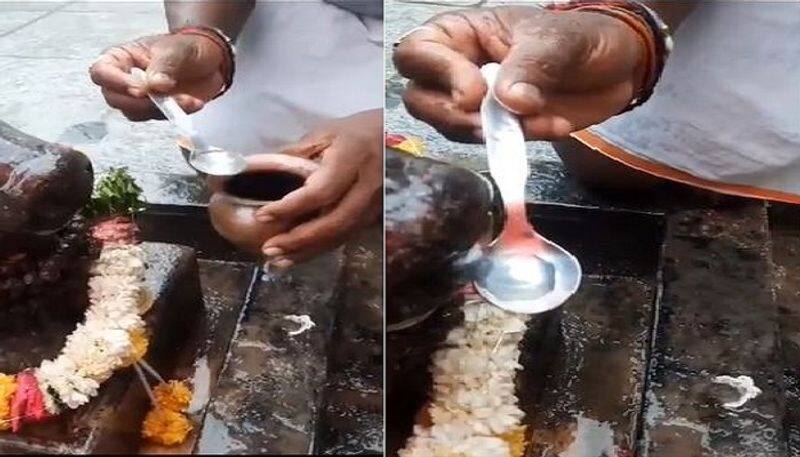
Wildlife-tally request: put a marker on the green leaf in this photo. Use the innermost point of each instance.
(115, 194)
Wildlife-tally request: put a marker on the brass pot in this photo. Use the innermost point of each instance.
(233, 216)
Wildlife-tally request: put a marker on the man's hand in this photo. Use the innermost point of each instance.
(347, 189)
(185, 66)
(561, 71)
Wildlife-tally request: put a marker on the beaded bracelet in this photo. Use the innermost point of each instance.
(649, 28)
(228, 66)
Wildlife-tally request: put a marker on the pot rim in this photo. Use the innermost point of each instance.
(241, 201)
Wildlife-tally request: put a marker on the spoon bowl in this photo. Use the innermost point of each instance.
(533, 275)
(217, 162)
(203, 157)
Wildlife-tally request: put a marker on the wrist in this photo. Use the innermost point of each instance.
(652, 33)
(617, 35)
(222, 46)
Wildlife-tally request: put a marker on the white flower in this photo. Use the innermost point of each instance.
(120, 260)
(448, 440)
(124, 288)
(62, 376)
(97, 349)
(98, 346)
(473, 399)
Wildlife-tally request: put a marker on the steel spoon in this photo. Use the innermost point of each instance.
(203, 157)
(521, 271)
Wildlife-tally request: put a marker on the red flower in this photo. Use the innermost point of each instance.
(28, 402)
(394, 139)
(118, 230)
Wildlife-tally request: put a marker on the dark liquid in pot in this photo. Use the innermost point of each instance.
(263, 185)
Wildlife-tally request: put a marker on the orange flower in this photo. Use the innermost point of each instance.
(173, 395)
(8, 387)
(516, 441)
(166, 424)
(403, 143)
(140, 344)
(166, 427)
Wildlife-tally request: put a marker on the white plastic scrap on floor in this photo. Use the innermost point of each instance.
(744, 385)
(304, 322)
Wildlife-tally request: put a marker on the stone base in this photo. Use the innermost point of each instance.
(111, 422)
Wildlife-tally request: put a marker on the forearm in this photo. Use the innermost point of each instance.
(673, 12)
(226, 15)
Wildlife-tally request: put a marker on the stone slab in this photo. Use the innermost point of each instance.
(187, 225)
(112, 421)
(11, 21)
(582, 389)
(350, 420)
(226, 287)
(47, 91)
(88, 32)
(351, 417)
(717, 317)
(269, 392)
(785, 236)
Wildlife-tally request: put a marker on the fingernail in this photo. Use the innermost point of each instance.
(281, 263)
(264, 217)
(160, 78)
(457, 96)
(273, 251)
(136, 91)
(523, 89)
(562, 127)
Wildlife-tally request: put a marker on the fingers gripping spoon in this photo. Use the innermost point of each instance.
(204, 157)
(521, 271)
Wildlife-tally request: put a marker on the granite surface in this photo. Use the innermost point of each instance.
(626, 367)
(98, 426)
(258, 388)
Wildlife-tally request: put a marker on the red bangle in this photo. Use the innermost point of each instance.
(228, 66)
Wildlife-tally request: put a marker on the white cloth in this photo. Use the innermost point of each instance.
(727, 108)
(299, 64)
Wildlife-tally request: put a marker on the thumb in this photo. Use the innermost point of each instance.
(528, 73)
(310, 146)
(168, 58)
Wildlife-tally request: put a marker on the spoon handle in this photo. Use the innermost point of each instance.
(174, 113)
(505, 144)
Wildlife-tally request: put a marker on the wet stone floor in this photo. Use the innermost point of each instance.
(680, 288)
(263, 383)
(259, 387)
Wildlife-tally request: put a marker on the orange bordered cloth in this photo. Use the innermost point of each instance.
(726, 114)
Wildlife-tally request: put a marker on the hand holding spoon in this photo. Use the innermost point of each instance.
(204, 157)
(522, 271)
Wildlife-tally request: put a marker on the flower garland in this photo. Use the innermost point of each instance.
(112, 334)
(473, 411)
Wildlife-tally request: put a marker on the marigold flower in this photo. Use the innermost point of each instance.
(516, 441)
(8, 387)
(173, 395)
(140, 343)
(166, 427)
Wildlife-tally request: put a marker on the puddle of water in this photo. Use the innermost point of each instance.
(202, 386)
(216, 438)
(591, 437)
